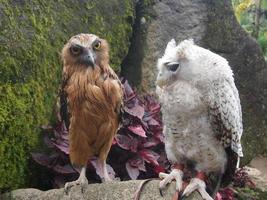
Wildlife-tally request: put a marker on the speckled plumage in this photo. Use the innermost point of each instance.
(200, 106)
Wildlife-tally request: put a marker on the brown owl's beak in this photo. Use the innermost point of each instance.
(88, 59)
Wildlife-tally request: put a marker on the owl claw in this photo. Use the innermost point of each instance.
(176, 175)
(200, 186)
(82, 182)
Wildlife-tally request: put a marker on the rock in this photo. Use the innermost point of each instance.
(166, 19)
(31, 36)
(113, 190)
(257, 177)
(257, 170)
(225, 36)
(212, 24)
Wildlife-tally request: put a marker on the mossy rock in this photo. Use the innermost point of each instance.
(225, 36)
(31, 36)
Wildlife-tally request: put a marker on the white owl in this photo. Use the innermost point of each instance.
(201, 115)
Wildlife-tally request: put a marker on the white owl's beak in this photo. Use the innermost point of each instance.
(160, 81)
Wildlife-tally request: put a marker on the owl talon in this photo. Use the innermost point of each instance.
(200, 186)
(106, 179)
(176, 175)
(82, 182)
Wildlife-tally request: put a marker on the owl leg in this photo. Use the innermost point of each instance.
(198, 183)
(103, 170)
(82, 181)
(176, 174)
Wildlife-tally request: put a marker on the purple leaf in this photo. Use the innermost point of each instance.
(137, 111)
(59, 181)
(42, 159)
(138, 130)
(138, 162)
(99, 172)
(226, 193)
(123, 141)
(159, 136)
(66, 169)
(149, 156)
(114, 141)
(153, 122)
(132, 171)
(151, 104)
(48, 142)
(126, 142)
(128, 91)
(151, 142)
(62, 147)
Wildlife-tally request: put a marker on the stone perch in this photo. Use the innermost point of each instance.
(106, 191)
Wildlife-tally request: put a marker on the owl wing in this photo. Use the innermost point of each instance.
(62, 103)
(226, 120)
(225, 114)
(117, 92)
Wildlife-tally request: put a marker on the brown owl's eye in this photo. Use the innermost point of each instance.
(76, 49)
(97, 45)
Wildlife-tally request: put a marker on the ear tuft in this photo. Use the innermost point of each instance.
(171, 44)
(184, 48)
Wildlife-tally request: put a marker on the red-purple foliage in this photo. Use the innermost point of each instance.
(242, 179)
(225, 194)
(137, 151)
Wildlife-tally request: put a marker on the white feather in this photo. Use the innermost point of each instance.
(203, 82)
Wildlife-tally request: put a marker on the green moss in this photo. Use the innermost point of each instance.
(254, 139)
(31, 36)
(249, 193)
(148, 3)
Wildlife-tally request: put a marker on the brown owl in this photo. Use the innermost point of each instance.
(92, 94)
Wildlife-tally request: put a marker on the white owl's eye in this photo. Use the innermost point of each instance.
(173, 66)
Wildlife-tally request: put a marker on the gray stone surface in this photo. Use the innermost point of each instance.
(106, 191)
(174, 19)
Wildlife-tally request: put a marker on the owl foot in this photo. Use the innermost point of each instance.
(199, 185)
(81, 181)
(106, 178)
(176, 174)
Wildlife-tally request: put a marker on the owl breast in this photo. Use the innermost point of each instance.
(182, 102)
(187, 129)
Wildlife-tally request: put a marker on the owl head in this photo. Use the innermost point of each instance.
(171, 63)
(190, 63)
(85, 51)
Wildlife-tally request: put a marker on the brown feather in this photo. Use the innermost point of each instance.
(94, 99)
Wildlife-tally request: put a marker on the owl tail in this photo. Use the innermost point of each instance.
(214, 183)
(238, 162)
(233, 161)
